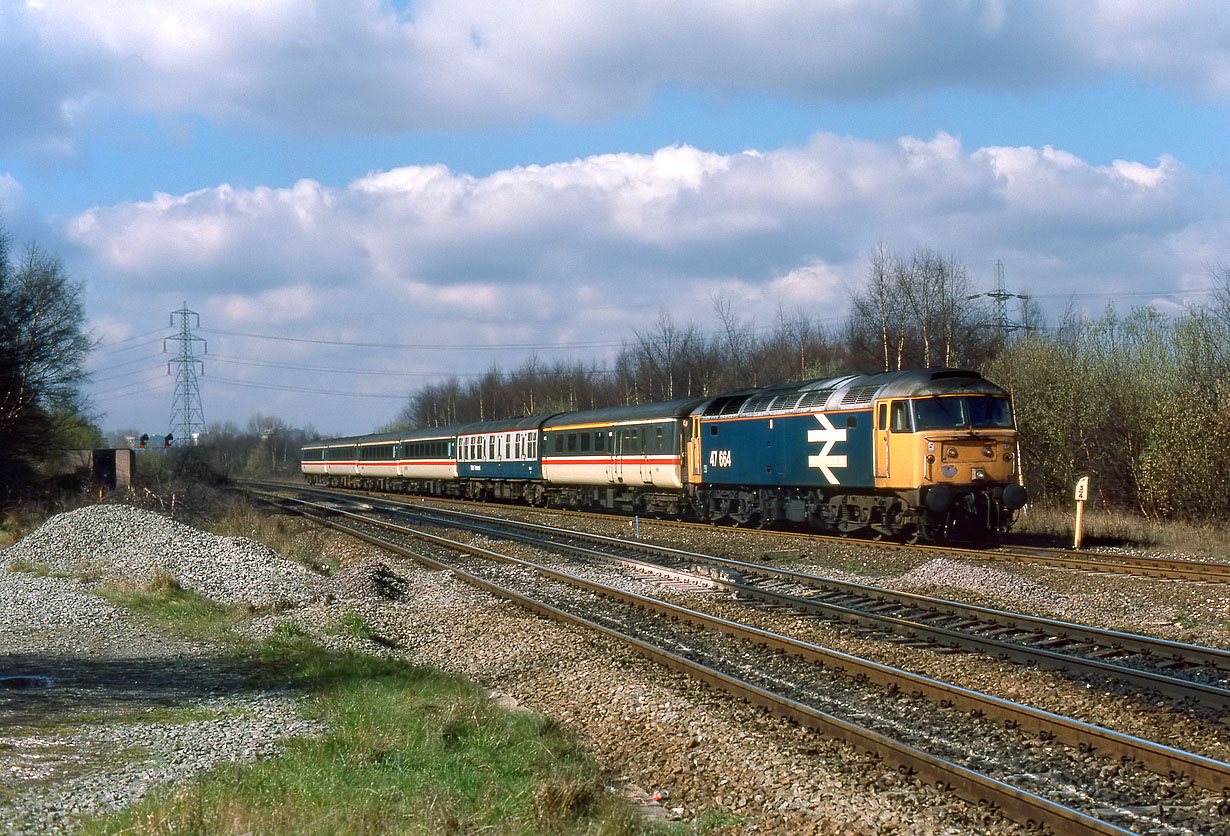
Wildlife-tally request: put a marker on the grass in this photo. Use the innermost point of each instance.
(409, 750)
(353, 624)
(292, 537)
(1102, 527)
(38, 570)
(170, 606)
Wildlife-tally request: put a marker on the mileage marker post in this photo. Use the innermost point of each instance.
(1082, 493)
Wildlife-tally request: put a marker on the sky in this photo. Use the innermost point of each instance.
(358, 197)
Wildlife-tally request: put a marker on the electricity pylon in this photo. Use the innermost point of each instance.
(187, 415)
(999, 319)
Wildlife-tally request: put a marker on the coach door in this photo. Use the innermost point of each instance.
(617, 456)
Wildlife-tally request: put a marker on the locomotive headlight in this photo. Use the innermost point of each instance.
(950, 452)
(988, 450)
(977, 473)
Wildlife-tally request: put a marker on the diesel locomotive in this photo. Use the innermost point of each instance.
(924, 454)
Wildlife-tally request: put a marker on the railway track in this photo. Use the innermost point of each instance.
(1190, 675)
(1038, 757)
(1136, 565)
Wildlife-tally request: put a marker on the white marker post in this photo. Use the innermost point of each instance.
(1082, 493)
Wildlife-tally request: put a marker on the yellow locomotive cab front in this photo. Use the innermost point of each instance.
(949, 450)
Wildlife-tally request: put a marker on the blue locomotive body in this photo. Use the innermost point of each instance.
(810, 450)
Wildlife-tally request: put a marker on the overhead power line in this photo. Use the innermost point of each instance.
(417, 346)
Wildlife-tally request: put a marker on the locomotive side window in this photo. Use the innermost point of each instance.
(901, 417)
(882, 417)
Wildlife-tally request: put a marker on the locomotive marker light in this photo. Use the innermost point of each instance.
(1082, 493)
(828, 436)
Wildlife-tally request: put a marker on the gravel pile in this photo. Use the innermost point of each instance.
(118, 543)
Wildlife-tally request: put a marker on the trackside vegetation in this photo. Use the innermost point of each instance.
(408, 750)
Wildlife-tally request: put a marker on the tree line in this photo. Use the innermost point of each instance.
(1139, 402)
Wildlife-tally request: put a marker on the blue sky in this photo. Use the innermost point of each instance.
(473, 182)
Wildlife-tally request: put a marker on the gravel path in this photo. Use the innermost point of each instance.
(660, 735)
(97, 709)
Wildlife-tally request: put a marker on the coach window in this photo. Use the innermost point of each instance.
(659, 439)
(586, 441)
(572, 442)
(559, 442)
(631, 442)
(599, 441)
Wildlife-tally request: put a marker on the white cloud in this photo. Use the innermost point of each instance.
(591, 251)
(358, 66)
(646, 231)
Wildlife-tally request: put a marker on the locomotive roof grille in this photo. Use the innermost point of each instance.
(860, 395)
(814, 398)
(758, 404)
(732, 406)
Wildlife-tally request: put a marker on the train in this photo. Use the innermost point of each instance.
(926, 454)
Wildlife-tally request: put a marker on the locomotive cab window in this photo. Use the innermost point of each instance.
(979, 412)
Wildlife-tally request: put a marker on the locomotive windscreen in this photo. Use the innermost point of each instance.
(978, 412)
